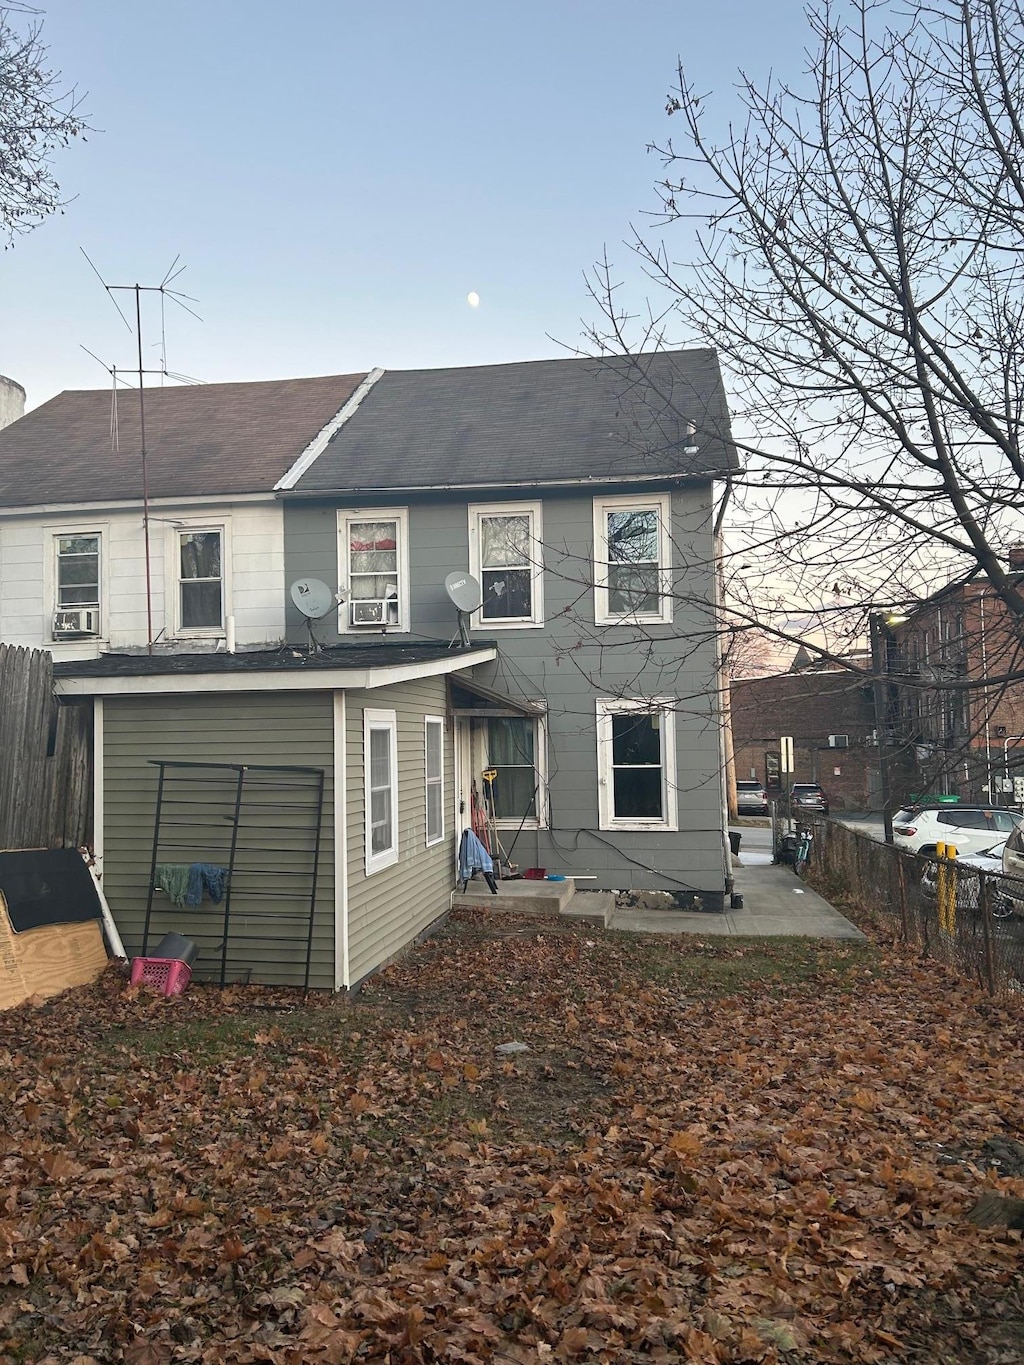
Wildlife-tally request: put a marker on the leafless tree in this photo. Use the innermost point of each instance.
(851, 243)
(38, 116)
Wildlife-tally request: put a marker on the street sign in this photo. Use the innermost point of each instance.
(786, 753)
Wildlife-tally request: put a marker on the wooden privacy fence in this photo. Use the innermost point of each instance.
(45, 757)
(958, 914)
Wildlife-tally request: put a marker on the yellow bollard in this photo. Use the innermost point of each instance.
(946, 887)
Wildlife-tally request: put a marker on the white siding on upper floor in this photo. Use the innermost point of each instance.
(254, 575)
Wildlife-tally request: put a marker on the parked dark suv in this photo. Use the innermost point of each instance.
(808, 796)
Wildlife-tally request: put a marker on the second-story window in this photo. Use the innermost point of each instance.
(200, 580)
(506, 557)
(374, 570)
(78, 572)
(632, 559)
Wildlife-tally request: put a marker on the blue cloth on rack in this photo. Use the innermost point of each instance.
(205, 877)
(473, 857)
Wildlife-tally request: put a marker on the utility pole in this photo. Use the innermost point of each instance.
(879, 671)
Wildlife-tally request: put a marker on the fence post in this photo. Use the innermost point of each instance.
(902, 883)
(986, 933)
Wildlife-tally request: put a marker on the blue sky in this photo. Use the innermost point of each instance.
(339, 176)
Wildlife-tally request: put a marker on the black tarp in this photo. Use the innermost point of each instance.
(47, 886)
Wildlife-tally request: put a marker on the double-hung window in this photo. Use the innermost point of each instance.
(632, 553)
(201, 580)
(433, 761)
(374, 569)
(78, 572)
(380, 788)
(636, 764)
(505, 556)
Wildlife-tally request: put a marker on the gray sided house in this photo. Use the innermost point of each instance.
(579, 494)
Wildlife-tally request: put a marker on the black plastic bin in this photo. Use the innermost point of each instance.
(734, 842)
(176, 947)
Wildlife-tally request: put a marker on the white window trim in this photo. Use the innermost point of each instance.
(662, 503)
(540, 767)
(533, 510)
(396, 514)
(53, 533)
(428, 721)
(178, 528)
(617, 706)
(380, 720)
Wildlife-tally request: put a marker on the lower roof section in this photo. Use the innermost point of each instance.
(288, 669)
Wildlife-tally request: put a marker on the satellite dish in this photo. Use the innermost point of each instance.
(312, 597)
(464, 591)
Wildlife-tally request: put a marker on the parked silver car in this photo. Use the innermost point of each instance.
(751, 798)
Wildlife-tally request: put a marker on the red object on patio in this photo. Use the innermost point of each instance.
(535, 874)
(166, 974)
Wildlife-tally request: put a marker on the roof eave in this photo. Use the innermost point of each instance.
(590, 481)
(269, 680)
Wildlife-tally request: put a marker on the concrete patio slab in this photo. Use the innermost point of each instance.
(776, 903)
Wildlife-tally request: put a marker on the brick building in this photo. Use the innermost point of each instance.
(959, 665)
(828, 712)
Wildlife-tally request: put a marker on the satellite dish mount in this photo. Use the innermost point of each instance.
(464, 592)
(314, 599)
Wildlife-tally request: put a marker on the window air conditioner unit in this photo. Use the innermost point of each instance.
(839, 741)
(76, 621)
(369, 611)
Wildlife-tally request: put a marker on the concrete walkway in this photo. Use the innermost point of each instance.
(775, 903)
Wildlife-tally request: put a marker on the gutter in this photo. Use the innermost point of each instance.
(609, 481)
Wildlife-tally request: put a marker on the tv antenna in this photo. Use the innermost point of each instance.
(314, 599)
(176, 296)
(464, 592)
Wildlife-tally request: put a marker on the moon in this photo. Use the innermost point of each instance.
(473, 299)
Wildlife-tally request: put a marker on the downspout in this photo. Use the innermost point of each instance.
(727, 754)
(984, 701)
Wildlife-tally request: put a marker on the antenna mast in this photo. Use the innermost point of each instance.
(165, 292)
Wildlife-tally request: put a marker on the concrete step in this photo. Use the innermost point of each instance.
(541, 898)
(591, 907)
(523, 896)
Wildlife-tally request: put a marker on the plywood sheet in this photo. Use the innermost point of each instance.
(44, 962)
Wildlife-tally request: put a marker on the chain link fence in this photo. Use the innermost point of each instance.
(971, 919)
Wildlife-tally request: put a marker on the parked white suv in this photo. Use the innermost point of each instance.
(1012, 889)
(918, 829)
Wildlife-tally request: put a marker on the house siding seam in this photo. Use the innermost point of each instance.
(389, 908)
(256, 728)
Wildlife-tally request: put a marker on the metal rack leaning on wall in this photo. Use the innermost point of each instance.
(258, 823)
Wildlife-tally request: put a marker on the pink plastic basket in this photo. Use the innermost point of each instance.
(166, 974)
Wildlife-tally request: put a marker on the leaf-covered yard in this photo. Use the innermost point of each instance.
(711, 1151)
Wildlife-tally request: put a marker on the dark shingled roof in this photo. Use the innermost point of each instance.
(544, 421)
(379, 654)
(201, 439)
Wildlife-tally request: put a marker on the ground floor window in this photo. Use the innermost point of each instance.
(380, 777)
(512, 754)
(636, 764)
(433, 757)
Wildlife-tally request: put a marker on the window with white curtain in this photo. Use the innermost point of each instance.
(380, 779)
(433, 762)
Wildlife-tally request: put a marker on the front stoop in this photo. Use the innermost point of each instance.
(540, 898)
